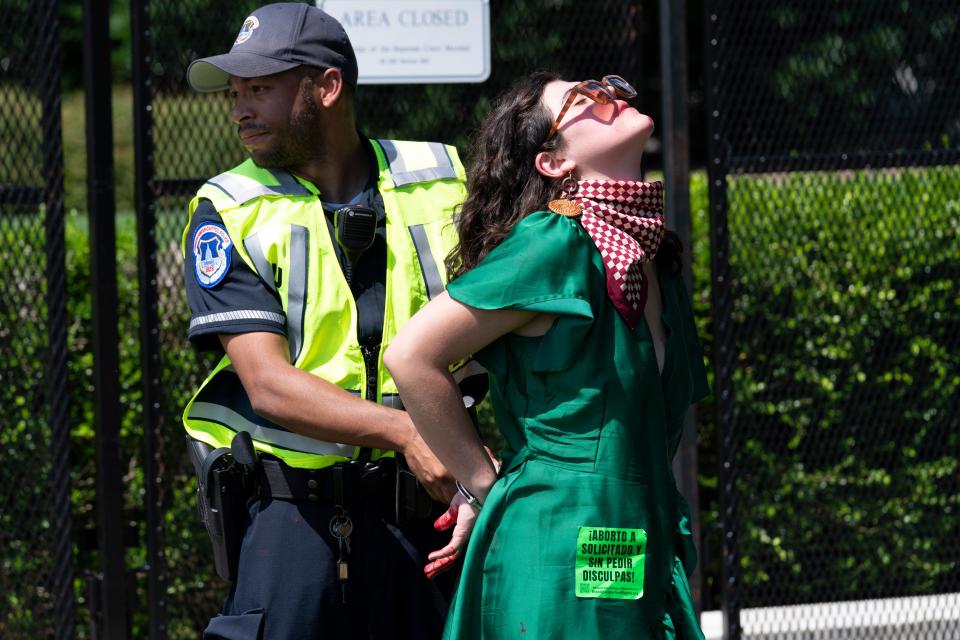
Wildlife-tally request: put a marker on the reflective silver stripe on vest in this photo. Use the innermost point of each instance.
(233, 316)
(243, 189)
(290, 184)
(431, 274)
(286, 439)
(297, 276)
(255, 251)
(394, 161)
(444, 168)
(391, 400)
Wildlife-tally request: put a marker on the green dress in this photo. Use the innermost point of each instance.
(585, 534)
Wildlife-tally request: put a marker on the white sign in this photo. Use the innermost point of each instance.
(416, 41)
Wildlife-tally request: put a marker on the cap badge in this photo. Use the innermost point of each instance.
(246, 30)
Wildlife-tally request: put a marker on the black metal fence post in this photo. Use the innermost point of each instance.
(56, 275)
(676, 175)
(103, 271)
(724, 347)
(675, 127)
(151, 366)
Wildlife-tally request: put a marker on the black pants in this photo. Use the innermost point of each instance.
(287, 584)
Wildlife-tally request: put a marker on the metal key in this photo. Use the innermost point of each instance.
(341, 526)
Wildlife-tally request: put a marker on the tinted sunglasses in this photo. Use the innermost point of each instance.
(600, 91)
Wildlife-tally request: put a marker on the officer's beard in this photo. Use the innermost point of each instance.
(297, 144)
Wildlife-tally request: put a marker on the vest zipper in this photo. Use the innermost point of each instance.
(370, 356)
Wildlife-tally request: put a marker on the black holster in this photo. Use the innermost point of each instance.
(225, 484)
(412, 502)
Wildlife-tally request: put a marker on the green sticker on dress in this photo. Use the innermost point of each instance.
(610, 563)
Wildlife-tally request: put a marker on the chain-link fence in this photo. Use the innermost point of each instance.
(835, 194)
(36, 574)
(835, 205)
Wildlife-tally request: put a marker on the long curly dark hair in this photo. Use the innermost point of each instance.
(502, 183)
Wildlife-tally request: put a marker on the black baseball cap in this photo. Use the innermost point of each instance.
(275, 38)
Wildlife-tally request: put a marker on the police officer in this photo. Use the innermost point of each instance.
(300, 264)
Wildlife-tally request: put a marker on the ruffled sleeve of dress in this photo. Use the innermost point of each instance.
(546, 264)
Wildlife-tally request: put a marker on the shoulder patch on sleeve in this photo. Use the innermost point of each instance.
(211, 254)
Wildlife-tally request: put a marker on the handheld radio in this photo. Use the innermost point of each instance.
(355, 228)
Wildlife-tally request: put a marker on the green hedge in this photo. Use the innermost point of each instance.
(847, 313)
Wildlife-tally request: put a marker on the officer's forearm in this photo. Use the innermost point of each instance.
(308, 405)
(316, 408)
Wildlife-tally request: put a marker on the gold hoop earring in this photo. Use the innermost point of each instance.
(565, 206)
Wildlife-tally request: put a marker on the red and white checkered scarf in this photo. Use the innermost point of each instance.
(625, 220)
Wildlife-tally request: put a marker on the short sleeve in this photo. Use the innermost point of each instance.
(545, 265)
(224, 294)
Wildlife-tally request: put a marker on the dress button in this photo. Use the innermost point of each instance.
(312, 484)
(312, 497)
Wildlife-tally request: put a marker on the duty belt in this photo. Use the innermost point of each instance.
(357, 481)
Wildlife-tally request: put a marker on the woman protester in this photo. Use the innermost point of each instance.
(566, 286)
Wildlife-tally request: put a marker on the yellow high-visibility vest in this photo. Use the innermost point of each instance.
(277, 224)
